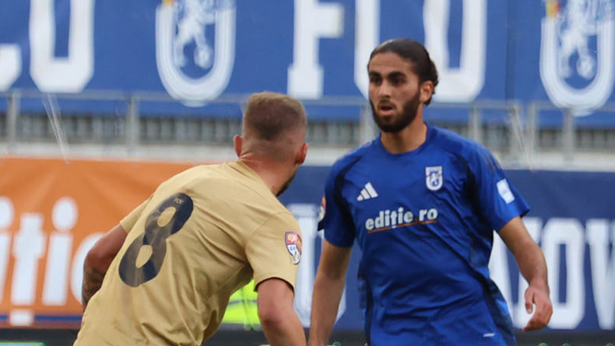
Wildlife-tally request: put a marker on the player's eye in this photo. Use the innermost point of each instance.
(397, 81)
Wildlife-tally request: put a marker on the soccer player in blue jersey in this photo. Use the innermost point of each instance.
(422, 203)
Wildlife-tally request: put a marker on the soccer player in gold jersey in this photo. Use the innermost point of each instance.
(170, 266)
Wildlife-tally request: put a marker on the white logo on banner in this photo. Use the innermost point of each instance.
(565, 53)
(184, 23)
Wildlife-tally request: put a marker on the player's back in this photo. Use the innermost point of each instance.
(183, 257)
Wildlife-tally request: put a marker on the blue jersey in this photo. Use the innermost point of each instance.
(424, 221)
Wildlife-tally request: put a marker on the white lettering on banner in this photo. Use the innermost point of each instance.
(602, 270)
(6, 219)
(313, 20)
(461, 84)
(567, 232)
(71, 74)
(307, 216)
(64, 218)
(10, 66)
(367, 37)
(28, 249)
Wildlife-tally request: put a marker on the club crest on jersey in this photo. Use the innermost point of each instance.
(195, 48)
(434, 178)
(577, 65)
(293, 244)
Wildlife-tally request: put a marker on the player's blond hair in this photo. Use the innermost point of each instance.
(273, 123)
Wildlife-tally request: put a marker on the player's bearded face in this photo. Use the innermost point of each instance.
(400, 119)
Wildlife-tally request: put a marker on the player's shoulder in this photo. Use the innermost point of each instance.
(188, 176)
(471, 153)
(457, 144)
(345, 162)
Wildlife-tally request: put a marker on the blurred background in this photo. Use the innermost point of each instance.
(100, 101)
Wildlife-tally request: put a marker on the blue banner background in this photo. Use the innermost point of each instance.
(124, 43)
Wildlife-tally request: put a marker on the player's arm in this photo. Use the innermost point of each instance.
(328, 288)
(98, 260)
(277, 315)
(532, 265)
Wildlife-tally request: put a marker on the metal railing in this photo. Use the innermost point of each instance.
(519, 127)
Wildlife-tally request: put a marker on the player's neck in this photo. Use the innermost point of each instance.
(408, 139)
(268, 170)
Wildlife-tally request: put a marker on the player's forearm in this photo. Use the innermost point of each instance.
(287, 330)
(532, 265)
(98, 260)
(325, 302)
(92, 281)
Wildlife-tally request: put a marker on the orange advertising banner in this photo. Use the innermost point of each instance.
(51, 213)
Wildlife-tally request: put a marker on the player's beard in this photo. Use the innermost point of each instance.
(286, 185)
(406, 117)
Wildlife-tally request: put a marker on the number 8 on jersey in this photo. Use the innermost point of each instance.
(167, 219)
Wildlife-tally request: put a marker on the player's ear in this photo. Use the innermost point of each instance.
(237, 142)
(426, 90)
(301, 154)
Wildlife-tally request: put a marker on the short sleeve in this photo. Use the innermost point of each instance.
(335, 217)
(498, 200)
(274, 249)
(129, 220)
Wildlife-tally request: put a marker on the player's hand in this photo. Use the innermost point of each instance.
(539, 297)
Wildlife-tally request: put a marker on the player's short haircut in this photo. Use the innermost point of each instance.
(415, 53)
(269, 115)
(273, 125)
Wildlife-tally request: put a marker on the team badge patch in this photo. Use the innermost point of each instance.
(434, 178)
(293, 244)
(505, 192)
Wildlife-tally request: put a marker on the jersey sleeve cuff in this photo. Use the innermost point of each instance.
(262, 277)
(502, 222)
(338, 242)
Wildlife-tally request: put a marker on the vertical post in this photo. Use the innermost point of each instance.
(568, 135)
(516, 145)
(132, 125)
(475, 130)
(11, 119)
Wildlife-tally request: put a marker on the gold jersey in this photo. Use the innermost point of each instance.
(201, 236)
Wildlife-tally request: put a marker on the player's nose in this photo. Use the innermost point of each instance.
(384, 91)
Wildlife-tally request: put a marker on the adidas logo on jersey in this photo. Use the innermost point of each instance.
(367, 192)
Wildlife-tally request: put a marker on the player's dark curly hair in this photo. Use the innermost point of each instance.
(415, 53)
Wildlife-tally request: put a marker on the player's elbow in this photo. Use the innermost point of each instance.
(272, 311)
(94, 258)
(98, 258)
(271, 316)
(104, 250)
(275, 303)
